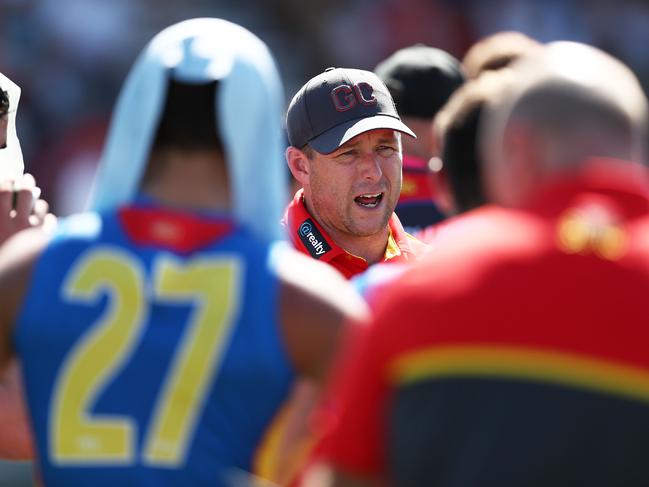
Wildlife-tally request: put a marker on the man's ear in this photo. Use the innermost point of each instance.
(298, 164)
(513, 176)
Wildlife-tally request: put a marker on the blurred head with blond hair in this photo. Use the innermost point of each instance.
(570, 103)
(497, 51)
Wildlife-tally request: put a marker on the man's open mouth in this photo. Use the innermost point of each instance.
(369, 200)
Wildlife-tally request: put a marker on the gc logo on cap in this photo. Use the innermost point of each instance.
(345, 98)
(338, 105)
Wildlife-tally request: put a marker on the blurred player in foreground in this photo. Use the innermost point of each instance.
(159, 334)
(459, 176)
(516, 354)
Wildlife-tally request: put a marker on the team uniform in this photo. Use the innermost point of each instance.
(151, 349)
(310, 238)
(149, 336)
(515, 355)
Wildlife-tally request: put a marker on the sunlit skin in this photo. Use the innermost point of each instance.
(339, 189)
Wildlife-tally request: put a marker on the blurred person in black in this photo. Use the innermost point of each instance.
(458, 173)
(456, 128)
(420, 79)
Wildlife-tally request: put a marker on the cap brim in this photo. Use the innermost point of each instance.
(330, 140)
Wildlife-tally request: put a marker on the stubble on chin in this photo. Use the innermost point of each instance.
(367, 229)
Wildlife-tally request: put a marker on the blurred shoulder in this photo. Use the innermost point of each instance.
(469, 245)
(17, 258)
(316, 306)
(308, 278)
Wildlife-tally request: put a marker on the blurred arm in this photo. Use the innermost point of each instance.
(15, 441)
(316, 305)
(17, 257)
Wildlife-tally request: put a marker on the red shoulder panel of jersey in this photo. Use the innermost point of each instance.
(179, 231)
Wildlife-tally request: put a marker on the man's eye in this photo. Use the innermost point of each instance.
(386, 150)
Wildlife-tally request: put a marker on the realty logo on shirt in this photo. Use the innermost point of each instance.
(313, 239)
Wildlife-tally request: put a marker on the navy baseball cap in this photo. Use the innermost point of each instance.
(338, 105)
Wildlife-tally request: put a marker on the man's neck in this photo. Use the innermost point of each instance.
(190, 182)
(371, 248)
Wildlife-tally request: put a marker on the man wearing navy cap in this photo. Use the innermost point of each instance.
(345, 136)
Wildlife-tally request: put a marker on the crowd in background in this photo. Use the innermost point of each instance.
(70, 56)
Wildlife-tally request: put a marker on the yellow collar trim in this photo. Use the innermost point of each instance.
(392, 249)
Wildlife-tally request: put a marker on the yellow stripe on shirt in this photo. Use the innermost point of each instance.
(521, 363)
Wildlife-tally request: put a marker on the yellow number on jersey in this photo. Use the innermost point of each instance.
(76, 435)
(211, 285)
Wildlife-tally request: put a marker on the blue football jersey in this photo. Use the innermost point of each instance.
(151, 349)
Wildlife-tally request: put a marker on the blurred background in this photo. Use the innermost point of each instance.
(70, 56)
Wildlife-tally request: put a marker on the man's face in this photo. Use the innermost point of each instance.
(355, 189)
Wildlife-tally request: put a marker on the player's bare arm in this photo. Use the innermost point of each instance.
(20, 209)
(17, 256)
(15, 442)
(310, 302)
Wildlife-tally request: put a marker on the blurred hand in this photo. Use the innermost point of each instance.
(27, 211)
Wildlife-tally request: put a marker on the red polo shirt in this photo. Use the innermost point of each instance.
(309, 237)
